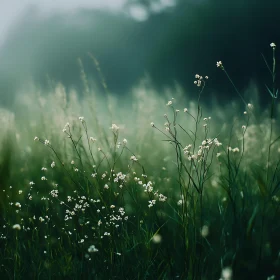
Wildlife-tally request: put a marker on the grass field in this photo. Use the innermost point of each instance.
(151, 186)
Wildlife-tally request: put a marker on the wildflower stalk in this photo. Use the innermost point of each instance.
(220, 65)
(274, 95)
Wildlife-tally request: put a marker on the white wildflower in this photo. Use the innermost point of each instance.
(227, 273)
(205, 231)
(156, 238)
(133, 158)
(219, 64)
(92, 249)
(114, 127)
(17, 227)
(250, 106)
(17, 204)
(162, 198)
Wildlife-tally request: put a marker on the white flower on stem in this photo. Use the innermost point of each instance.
(43, 178)
(17, 227)
(82, 119)
(162, 198)
(47, 142)
(114, 128)
(133, 158)
(205, 231)
(152, 124)
(169, 103)
(92, 249)
(156, 238)
(17, 204)
(31, 183)
(124, 141)
(185, 110)
(197, 76)
(206, 77)
(53, 164)
(219, 64)
(273, 45)
(151, 203)
(92, 139)
(250, 106)
(36, 138)
(235, 150)
(227, 273)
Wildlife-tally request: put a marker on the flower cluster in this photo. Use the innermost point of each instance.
(114, 128)
(203, 150)
(220, 65)
(199, 80)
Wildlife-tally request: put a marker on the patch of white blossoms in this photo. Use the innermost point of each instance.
(92, 249)
(201, 154)
(114, 128)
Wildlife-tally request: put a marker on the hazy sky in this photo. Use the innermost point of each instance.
(171, 40)
(11, 10)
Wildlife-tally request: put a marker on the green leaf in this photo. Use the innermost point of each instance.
(273, 96)
(266, 63)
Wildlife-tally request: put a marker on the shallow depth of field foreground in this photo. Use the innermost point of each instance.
(155, 186)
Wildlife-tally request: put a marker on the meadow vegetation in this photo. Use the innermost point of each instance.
(150, 186)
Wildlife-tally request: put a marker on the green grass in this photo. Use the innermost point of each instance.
(191, 194)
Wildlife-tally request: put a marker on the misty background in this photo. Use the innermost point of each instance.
(167, 40)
